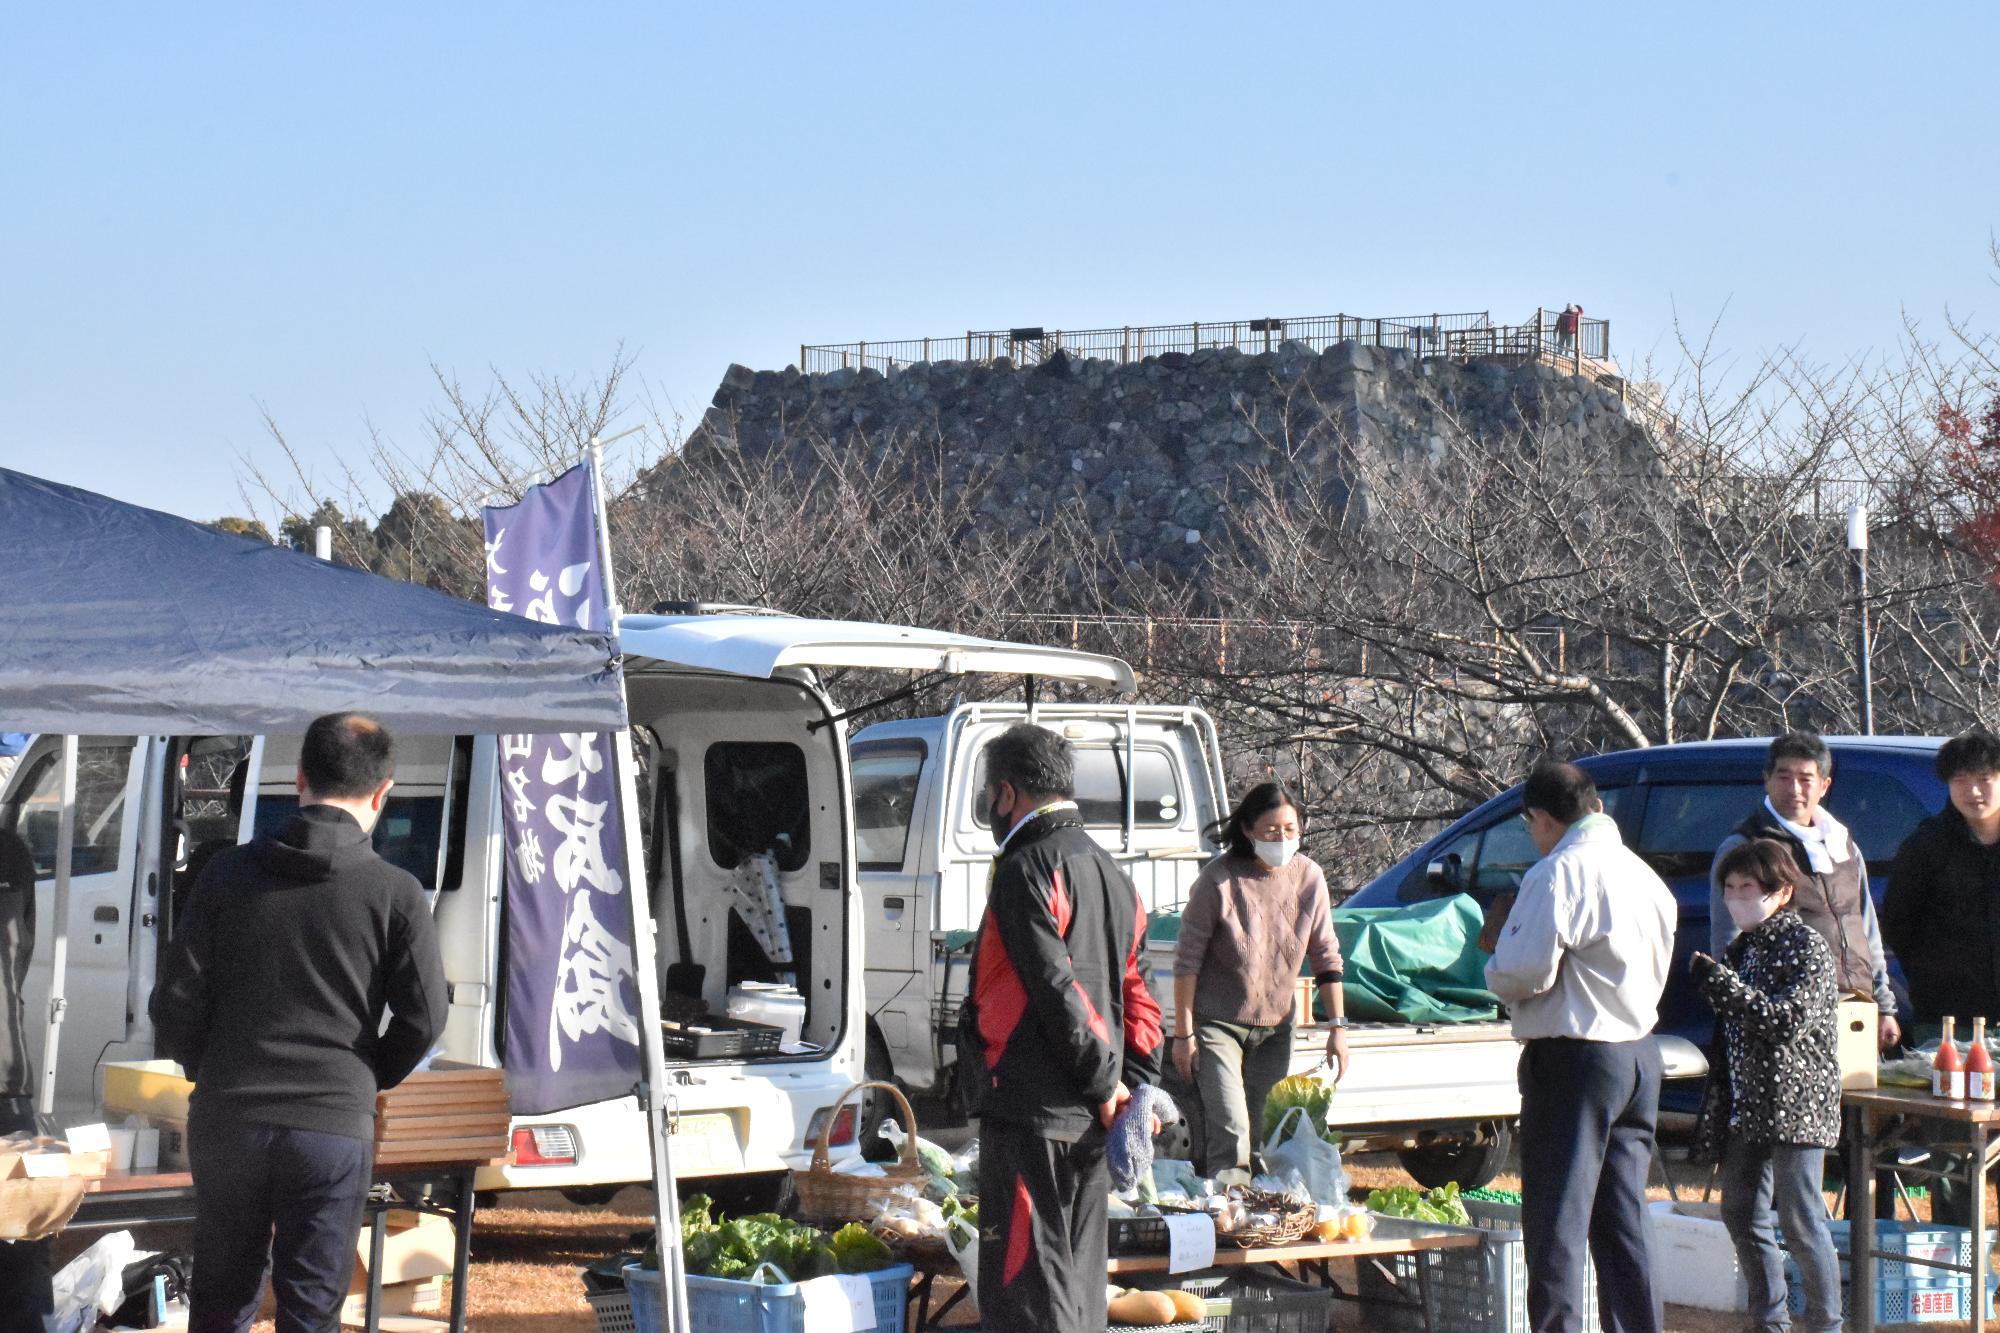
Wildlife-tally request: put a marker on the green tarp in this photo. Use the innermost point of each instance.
(1416, 964)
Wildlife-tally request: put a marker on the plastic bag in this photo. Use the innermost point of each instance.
(93, 1283)
(1300, 1149)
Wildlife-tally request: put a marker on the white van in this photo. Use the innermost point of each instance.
(733, 732)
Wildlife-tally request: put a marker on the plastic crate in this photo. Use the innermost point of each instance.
(723, 1037)
(1944, 1298)
(1139, 1235)
(1247, 1301)
(1919, 1241)
(1483, 1289)
(614, 1311)
(721, 1305)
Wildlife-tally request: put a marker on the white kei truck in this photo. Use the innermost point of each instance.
(1149, 782)
(742, 758)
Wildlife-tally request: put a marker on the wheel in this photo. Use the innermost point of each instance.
(590, 1196)
(739, 1196)
(1471, 1165)
(1182, 1140)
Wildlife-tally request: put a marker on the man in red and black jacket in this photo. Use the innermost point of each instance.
(1058, 1030)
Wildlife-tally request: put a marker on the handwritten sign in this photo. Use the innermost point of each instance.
(842, 1304)
(1190, 1242)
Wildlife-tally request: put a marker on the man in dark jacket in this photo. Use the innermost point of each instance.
(1833, 895)
(272, 998)
(27, 1298)
(1059, 1029)
(1940, 914)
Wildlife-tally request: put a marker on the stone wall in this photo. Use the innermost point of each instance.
(1154, 447)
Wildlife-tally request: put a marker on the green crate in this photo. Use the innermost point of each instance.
(1481, 1289)
(1247, 1301)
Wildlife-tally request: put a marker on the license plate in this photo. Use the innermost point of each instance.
(706, 1141)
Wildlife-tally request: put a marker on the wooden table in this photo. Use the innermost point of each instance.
(1876, 1115)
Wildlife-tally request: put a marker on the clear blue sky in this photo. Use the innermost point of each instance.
(209, 207)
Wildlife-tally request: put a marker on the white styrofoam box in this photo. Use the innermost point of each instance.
(1694, 1261)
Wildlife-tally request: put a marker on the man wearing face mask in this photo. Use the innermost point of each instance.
(1254, 914)
(1833, 887)
(1058, 1030)
(293, 951)
(1581, 962)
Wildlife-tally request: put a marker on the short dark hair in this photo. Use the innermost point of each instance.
(1765, 860)
(346, 755)
(1233, 829)
(1034, 759)
(1975, 751)
(1561, 791)
(1807, 745)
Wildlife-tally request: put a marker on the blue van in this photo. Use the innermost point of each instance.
(1675, 804)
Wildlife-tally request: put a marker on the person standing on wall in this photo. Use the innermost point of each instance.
(1581, 959)
(293, 951)
(27, 1296)
(1253, 915)
(1058, 1031)
(1833, 893)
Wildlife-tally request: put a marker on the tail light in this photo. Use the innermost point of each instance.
(843, 1127)
(545, 1145)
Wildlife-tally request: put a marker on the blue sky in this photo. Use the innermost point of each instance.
(205, 209)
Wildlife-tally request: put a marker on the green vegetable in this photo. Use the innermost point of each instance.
(1307, 1090)
(856, 1249)
(735, 1249)
(1441, 1205)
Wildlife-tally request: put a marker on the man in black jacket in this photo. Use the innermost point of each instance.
(27, 1296)
(1059, 1029)
(272, 998)
(1942, 911)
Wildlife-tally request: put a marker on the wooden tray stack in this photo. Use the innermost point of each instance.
(443, 1115)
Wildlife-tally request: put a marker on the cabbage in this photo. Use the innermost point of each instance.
(1307, 1090)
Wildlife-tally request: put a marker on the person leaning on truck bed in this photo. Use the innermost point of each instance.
(1058, 1031)
(272, 998)
(1253, 915)
(1581, 959)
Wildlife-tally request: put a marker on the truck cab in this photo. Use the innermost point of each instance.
(1149, 781)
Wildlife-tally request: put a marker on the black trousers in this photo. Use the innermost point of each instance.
(1588, 1113)
(291, 1198)
(27, 1302)
(1042, 1256)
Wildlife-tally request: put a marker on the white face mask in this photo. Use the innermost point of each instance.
(1276, 855)
(1750, 913)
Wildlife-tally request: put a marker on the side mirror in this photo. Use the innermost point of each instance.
(1446, 874)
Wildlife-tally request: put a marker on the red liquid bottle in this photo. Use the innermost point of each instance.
(1947, 1071)
(1978, 1065)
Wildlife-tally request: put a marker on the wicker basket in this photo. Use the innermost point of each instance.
(831, 1198)
(1294, 1221)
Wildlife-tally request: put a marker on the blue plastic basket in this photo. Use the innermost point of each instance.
(723, 1305)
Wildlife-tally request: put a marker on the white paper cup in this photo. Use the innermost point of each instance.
(122, 1143)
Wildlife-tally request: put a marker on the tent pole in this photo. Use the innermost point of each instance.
(59, 928)
(645, 962)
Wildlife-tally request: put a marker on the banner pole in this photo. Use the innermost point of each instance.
(645, 964)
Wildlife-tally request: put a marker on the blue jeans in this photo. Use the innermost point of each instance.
(1754, 1177)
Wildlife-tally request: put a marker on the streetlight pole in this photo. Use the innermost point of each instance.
(1857, 550)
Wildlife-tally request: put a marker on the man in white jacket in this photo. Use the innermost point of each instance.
(1581, 961)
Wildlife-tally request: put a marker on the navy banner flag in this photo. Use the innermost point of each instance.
(572, 1032)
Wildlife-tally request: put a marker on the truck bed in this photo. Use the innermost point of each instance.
(1402, 1073)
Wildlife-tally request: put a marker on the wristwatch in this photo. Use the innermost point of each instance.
(1337, 1021)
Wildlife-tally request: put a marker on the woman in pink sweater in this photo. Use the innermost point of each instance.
(1254, 915)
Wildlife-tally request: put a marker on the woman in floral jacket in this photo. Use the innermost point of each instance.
(1778, 1098)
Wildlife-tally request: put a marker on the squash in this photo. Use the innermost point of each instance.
(1188, 1307)
(1142, 1309)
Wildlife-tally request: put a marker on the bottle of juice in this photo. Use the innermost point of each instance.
(1978, 1065)
(1947, 1070)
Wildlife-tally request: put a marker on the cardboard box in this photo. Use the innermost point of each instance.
(150, 1089)
(1694, 1261)
(1856, 1044)
(398, 1298)
(415, 1246)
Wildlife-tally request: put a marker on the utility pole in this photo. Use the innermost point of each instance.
(1857, 550)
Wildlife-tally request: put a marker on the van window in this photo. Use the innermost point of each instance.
(1100, 787)
(102, 765)
(1686, 822)
(406, 835)
(758, 801)
(1493, 857)
(886, 777)
(1878, 810)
